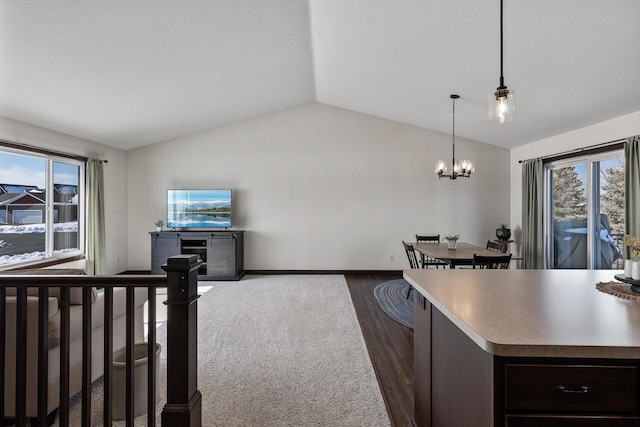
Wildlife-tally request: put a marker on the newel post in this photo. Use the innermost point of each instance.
(184, 401)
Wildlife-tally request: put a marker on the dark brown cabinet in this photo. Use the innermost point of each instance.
(567, 392)
(570, 387)
(514, 391)
(570, 421)
(163, 246)
(221, 252)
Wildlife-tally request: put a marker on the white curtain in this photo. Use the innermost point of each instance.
(96, 252)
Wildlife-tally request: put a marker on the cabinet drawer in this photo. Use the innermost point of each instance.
(571, 388)
(569, 421)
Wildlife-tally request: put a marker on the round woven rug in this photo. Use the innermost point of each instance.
(392, 297)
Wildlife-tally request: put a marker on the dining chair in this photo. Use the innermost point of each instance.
(500, 262)
(426, 261)
(413, 260)
(497, 246)
(411, 254)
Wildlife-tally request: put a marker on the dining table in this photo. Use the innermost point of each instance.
(461, 255)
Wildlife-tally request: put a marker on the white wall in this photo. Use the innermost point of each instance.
(321, 188)
(115, 173)
(610, 130)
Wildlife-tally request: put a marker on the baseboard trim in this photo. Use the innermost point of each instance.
(273, 272)
(343, 272)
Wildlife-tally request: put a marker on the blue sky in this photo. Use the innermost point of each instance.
(196, 196)
(26, 170)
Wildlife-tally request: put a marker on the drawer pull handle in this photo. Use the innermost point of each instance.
(580, 390)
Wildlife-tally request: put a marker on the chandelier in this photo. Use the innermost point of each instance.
(502, 102)
(458, 169)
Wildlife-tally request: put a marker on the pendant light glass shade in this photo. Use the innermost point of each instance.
(502, 102)
(502, 105)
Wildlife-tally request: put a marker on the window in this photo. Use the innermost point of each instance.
(41, 207)
(585, 212)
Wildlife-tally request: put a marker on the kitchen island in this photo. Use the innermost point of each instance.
(523, 348)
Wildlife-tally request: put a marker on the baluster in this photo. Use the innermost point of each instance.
(151, 353)
(108, 356)
(65, 344)
(86, 357)
(3, 349)
(21, 356)
(43, 355)
(130, 357)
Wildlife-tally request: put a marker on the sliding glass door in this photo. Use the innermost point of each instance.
(585, 212)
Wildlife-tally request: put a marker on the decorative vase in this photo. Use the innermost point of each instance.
(452, 244)
(635, 270)
(158, 228)
(503, 233)
(628, 264)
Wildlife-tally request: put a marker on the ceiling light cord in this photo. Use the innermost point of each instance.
(502, 86)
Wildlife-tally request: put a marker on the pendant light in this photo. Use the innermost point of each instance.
(502, 102)
(462, 169)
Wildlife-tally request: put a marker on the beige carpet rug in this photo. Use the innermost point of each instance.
(279, 351)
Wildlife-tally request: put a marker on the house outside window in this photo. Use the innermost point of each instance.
(41, 207)
(584, 212)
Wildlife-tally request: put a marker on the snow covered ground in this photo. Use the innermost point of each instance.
(14, 229)
(37, 228)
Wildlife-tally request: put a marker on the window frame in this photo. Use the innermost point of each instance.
(51, 157)
(592, 159)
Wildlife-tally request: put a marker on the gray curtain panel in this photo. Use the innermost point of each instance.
(632, 185)
(96, 249)
(532, 206)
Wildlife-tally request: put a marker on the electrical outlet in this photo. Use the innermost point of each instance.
(392, 257)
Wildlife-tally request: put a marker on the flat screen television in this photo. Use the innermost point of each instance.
(198, 209)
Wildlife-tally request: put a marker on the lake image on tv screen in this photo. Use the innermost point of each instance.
(199, 208)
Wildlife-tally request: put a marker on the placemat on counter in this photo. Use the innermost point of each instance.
(619, 289)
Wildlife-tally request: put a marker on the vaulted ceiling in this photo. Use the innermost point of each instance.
(129, 73)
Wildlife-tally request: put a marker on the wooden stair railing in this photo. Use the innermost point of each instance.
(181, 282)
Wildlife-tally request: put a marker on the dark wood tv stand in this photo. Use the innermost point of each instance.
(221, 252)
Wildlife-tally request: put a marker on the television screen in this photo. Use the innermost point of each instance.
(198, 208)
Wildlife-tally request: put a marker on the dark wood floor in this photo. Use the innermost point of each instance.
(390, 347)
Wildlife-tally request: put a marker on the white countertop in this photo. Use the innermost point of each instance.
(535, 313)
